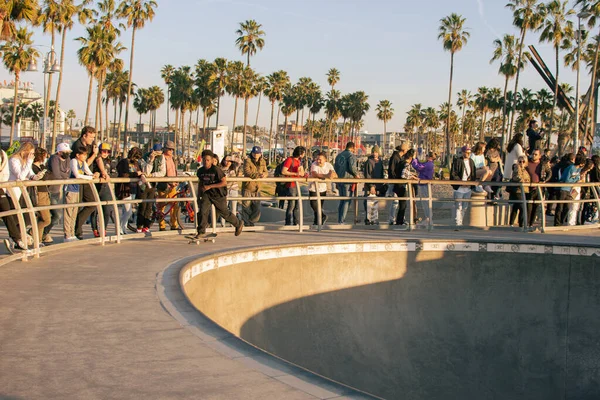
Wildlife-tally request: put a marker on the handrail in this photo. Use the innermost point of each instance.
(29, 210)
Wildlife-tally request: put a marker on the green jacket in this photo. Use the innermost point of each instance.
(253, 170)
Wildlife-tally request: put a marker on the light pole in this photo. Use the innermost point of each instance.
(581, 15)
(50, 66)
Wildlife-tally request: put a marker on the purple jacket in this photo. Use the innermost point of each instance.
(425, 170)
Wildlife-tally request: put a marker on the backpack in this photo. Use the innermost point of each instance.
(279, 186)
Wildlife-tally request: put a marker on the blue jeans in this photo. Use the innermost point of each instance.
(344, 190)
(291, 213)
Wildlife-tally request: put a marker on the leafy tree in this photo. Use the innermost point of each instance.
(250, 38)
(385, 112)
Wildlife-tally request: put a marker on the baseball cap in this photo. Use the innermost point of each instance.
(104, 146)
(256, 150)
(63, 147)
(157, 147)
(465, 148)
(170, 145)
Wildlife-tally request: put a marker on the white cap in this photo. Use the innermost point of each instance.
(63, 147)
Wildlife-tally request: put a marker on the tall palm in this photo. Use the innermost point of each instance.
(49, 19)
(17, 54)
(250, 38)
(482, 102)
(332, 109)
(544, 104)
(333, 77)
(315, 104)
(259, 87)
(431, 121)
(137, 13)
(558, 30)
(415, 119)
(287, 109)
(454, 36)
(166, 73)
(506, 50)
(219, 80)
(68, 11)
(277, 84)
(155, 99)
(13, 11)
(359, 107)
(71, 116)
(233, 87)
(464, 100)
(249, 78)
(385, 112)
(527, 15)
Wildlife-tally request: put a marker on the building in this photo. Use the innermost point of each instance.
(30, 127)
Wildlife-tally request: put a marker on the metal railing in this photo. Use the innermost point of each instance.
(35, 250)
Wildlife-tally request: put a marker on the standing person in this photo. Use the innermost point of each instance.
(19, 166)
(292, 167)
(212, 186)
(73, 220)
(255, 167)
(557, 169)
(320, 169)
(539, 172)
(168, 190)
(128, 168)
(232, 170)
(102, 166)
(494, 163)
(87, 141)
(519, 175)
(534, 138)
(153, 166)
(578, 193)
(393, 173)
(43, 198)
(482, 171)
(59, 168)
(345, 168)
(514, 151)
(373, 169)
(463, 169)
(401, 189)
(571, 174)
(425, 171)
(10, 221)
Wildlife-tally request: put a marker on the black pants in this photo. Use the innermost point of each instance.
(144, 211)
(220, 204)
(532, 209)
(87, 196)
(553, 194)
(314, 204)
(562, 209)
(400, 191)
(11, 221)
(517, 208)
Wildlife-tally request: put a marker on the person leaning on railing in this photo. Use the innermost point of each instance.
(59, 168)
(168, 190)
(128, 168)
(539, 172)
(519, 175)
(74, 220)
(292, 167)
(102, 166)
(320, 169)
(255, 167)
(578, 193)
(394, 173)
(11, 221)
(462, 169)
(153, 167)
(345, 168)
(41, 196)
(571, 174)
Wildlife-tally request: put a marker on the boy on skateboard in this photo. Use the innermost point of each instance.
(212, 187)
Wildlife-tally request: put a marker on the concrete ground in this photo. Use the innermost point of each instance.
(108, 322)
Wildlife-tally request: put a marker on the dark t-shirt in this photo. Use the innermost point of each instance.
(211, 176)
(78, 144)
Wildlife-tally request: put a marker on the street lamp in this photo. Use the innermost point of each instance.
(51, 66)
(580, 16)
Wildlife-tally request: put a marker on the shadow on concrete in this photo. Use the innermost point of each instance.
(465, 326)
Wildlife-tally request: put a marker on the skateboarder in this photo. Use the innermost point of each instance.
(212, 187)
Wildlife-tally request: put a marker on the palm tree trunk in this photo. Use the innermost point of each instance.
(107, 126)
(47, 99)
(234, 120)
(14, 115)
(98, 99)
(592, 93)
(271, 129)
(514, 106)
(285, 149)
(89, 100)
(257, 112)
(118, 128)
(182, 130)
(246, 100)
(302, 141)
(113, 131)
(189, 143)
(554, 101)
(176, 126)
(218, 109)
(100, 90)
(504, 112)
(296, 140)
(129, 88)
(277, 130)
(449, 109)
(204, 124)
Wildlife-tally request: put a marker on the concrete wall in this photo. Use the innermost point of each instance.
(418, 324)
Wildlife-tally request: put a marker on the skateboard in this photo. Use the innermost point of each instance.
(211, 237)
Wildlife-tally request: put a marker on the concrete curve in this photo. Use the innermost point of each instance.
(416, 320)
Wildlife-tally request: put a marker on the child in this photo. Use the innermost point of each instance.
(79, 170)
(212, 186)
(373, 207)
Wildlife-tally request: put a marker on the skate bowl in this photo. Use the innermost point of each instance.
(416, 320)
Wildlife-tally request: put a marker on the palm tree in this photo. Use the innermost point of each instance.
(166, 73)
(482, 102)
(249, 78)
(358, 109)
(288, 108)
(506, 51)
(259, 87)
(464, 100)
(234, 83)
(137, 13)
(277, 83)
(454, 36)
(250, 38)
(140, 103)
(415, 120)
(333, 77)
(315, 104)
(17, 55)
(544, 104)
(219, 80)
(71, 116)
(156, 98)
(49, 19)
(68, 11)
(432, 121)
(332, 108)
(385, 112)
(12, 11)
(527, 15)
(558, 30)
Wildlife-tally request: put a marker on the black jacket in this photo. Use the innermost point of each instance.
(393, 167)
(457, 170)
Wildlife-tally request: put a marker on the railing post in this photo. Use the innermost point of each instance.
(523, 207)
(319, 208)
(33, 219)
(213, 217)
(100, 213)
(300, 207)
(21, 218)
(195, 204)
(410, 205)
(113, 202)
(430, 202)
(543, 205)
(355, 204)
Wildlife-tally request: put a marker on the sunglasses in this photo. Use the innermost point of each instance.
(521, 162)
(105, 151)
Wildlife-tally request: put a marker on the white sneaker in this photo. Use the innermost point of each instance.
(71, 239)
(10, 245)
(47, 240)
(478, 189)
(29, 240)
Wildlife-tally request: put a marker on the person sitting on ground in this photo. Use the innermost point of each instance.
(255, 167)
(373, 169)
(463, 169)
(425, 172)
(514, 151)
(59, 168)
(482, 172)
(212, 187)
(519, 175)
(43, 198)
(74, 220)
(320, 169)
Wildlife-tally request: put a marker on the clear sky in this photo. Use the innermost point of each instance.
(387, 48)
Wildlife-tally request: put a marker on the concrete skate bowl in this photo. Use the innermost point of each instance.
(425, 320)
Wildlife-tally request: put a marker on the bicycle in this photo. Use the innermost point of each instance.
(185, 207)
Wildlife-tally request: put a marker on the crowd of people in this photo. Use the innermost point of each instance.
(485, 163)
